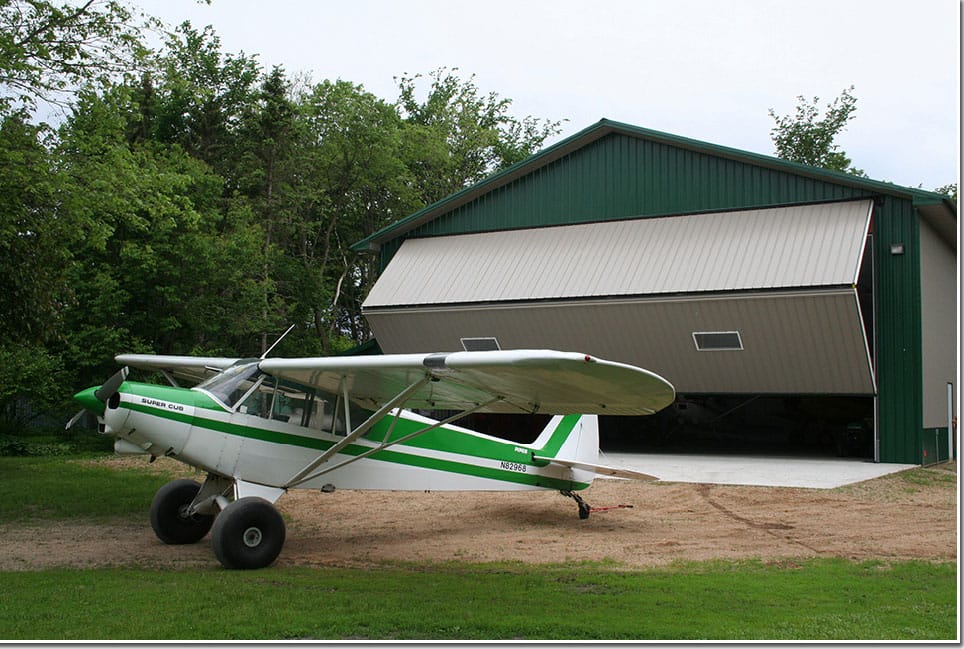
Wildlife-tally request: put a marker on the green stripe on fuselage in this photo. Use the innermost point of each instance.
(442, 440)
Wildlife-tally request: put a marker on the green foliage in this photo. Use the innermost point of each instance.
(31, 447)
(202, 96)
(807, 138)
(46, 49)
(31, 380)
(808, 600)
(949, 190)
(36, 234)
(457, 136)
(193, 204)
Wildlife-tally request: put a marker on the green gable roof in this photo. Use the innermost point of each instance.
(607, 127)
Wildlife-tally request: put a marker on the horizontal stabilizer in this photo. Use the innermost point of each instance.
(598, 468)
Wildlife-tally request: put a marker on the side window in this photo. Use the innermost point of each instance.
(272, 401)
(328, 414)
(287, 406)
(258, 402)
(300, 406)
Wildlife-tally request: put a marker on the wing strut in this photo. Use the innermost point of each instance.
(301, 477)
(363, 428)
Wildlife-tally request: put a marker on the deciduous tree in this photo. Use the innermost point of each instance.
(808, 138)
(48, 50)
(456, 136)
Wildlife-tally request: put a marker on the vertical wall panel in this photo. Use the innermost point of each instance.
(899, 367)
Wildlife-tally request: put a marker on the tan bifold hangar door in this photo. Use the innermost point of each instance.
(758, 301)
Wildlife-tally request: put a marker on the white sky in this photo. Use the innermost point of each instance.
(704, 69)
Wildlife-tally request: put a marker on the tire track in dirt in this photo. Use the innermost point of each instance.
(767, 528)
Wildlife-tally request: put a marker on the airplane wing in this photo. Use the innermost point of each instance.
(192, 368)
(515, 381)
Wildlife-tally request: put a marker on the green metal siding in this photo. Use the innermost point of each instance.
(619, 176)
(899, 357)
(624, 176)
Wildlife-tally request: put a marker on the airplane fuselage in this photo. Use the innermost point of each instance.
(193, 427)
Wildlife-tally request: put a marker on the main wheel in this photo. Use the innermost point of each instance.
(248, 534)
(169, 516)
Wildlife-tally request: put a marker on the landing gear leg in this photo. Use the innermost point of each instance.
(584, 507)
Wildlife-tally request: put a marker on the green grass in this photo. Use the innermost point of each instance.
(812, 600)
(929, 476)
(55, 488)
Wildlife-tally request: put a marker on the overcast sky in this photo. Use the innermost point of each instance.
(704, 69)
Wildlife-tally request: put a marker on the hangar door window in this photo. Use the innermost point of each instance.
(718, 341)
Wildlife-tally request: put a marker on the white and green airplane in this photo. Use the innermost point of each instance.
(258, 427)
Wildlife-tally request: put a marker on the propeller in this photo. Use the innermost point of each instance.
(111, 385)
(75, 418)
(95, 399)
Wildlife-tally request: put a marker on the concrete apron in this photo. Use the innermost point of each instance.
(812, 473)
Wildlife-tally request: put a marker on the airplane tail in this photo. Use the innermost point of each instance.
(571, 437)
(573, 441)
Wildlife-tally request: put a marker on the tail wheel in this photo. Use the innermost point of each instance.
(248, 534)
(169, 516)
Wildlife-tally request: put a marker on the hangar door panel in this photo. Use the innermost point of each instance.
(782, 279)
(796, 343)
(787, 247)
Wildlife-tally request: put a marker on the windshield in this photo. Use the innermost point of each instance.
(233, 383)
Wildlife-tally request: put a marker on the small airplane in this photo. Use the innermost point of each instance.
(260, 426)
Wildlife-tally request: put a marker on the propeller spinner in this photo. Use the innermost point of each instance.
(95, 399)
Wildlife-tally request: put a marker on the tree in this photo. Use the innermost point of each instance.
(202, 96)
(35, 248)
(456, 136)
(948, 190)
(267, 174)
(807, 138)
(35, 239)
(166, 267)
(46, 51)
(356, 181)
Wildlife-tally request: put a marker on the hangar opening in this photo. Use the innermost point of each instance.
(749, 425)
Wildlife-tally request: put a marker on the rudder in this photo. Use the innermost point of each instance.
(570, 437)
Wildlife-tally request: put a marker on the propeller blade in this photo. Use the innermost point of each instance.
(75, 418)
(111, 385)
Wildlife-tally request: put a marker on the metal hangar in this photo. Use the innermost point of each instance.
(771, 294)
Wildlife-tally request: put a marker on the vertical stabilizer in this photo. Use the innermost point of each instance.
(573, 441)
(570, 437)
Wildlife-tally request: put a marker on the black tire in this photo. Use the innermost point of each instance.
(168, 518)
(248, 534)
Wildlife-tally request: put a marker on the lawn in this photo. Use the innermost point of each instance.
(52, 488)
(812, 600)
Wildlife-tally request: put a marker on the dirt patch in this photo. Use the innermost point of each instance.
(909, 515)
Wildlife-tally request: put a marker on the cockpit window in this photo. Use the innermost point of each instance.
(233, 383)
